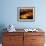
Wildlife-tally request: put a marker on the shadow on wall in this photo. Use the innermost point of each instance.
(2, 27)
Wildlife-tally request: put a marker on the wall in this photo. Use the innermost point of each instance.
(9, 13)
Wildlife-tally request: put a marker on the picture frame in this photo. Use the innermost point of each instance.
(26, 14)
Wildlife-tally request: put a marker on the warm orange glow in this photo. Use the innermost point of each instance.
(23, 16)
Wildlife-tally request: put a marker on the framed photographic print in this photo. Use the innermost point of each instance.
(26, 14)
